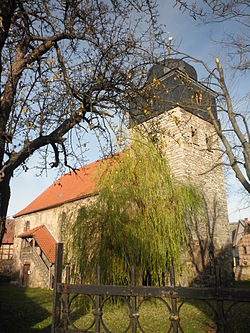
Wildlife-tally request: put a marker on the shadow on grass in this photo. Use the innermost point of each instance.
(202, 314)
(206, 257)
(24, 310)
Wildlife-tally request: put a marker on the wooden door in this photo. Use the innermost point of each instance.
(26, 272)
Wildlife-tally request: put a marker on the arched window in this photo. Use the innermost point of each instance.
(27, 226)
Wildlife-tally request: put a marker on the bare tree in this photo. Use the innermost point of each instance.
(234, 131)
(218, 11)
(64, 65)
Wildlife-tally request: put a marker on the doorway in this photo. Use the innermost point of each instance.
(26, 273)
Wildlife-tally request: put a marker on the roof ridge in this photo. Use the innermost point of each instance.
(80, 184)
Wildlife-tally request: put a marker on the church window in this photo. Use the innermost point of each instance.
(27, 226)
(194, 135)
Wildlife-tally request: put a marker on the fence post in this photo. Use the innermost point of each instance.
(220, 316)
(174, 318)
(97, 311)
(133, 313)
(56, 295)
(66, 299)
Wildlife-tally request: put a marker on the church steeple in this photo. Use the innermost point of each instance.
(171, 83)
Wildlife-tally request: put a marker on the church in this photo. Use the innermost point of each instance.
(176, 110)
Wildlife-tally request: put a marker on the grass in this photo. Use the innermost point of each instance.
(154, 317)
(26, 310)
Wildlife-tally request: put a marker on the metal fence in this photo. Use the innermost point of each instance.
(172, 297)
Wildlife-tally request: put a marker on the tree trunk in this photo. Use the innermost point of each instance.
(4, 203)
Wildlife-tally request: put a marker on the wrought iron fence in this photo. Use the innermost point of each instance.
(134, 296)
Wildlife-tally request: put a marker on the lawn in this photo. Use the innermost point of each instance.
(25, 310)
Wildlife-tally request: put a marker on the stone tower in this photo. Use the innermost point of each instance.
(176, 110)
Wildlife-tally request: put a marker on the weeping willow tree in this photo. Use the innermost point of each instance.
(140, 218)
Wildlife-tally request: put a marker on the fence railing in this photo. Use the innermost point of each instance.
(65, 293)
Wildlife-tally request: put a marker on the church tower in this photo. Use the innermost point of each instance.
(176, 112)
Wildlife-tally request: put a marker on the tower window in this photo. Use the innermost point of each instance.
(209, 143)
(244, 249)
(194, 135)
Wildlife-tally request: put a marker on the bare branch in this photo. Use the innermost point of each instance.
(56, 162)
(230, 154)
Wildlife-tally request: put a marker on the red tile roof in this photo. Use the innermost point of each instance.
(44, 239)
(8, 237)
(31, 232)
(68, 188)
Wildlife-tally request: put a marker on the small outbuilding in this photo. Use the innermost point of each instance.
(6, 251)
(241, 249)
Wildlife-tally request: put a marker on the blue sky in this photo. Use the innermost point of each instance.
(194, 39)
